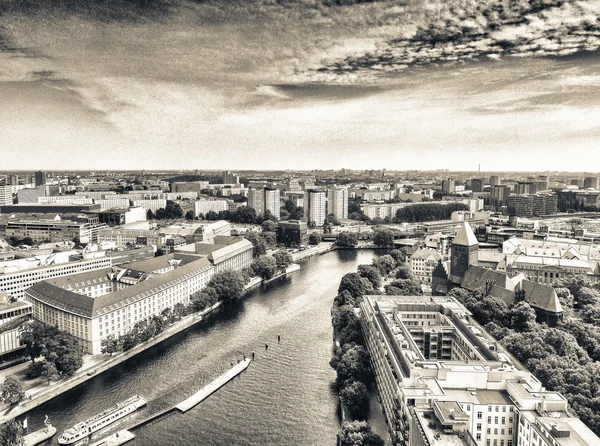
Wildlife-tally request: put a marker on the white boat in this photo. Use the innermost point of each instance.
(101, 420)
(116, 439)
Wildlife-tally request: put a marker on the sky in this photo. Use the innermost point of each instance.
(231, 84)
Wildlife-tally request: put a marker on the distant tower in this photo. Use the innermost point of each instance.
(464, 253)
(40, 178)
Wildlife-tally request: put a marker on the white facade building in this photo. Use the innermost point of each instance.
(205, 206)
(151, 205)
(315, 207)
(93, 306)
(337, 202)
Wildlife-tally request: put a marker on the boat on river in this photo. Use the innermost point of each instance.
(101, 420)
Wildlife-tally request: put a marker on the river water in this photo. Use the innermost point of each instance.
(284, 398)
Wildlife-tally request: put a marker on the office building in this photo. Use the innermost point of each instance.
(40, 178)
(203, 207)
(448, 186)
(532, 205)
(337, 202)
(224, 252)
(590, 182)
(315, 207)
(499, 195)
(94, 305)
(477, 184)
(83, 229)
(151, 205)
(495, 180)
(20, 274)
(443, 380)
(292, 233)
(123, 216)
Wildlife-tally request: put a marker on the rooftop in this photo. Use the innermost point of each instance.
(54, 295)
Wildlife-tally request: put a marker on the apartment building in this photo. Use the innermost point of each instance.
(423, 262)
(315, 207)
(337, 202)
(443, 380)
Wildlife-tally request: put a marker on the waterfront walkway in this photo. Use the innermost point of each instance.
(96, 364)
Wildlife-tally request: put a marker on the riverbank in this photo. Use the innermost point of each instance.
(97, 364)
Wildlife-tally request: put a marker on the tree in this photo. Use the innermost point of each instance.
(228, 285)
(354, 284)
(370, 273)
(109, 345)
(283, 259)
(159, 252)
(342, 316)
(355, 397)
(522, 317)
(49, 371)
(354, 363)
(403, 272)
(383, 238)
(68, 364)
(32, 337)
(404, 287)
(34, 370)
(385, 264)
(314, 238)
(347, 239)
(11, 391)
(11, 433)
(269, 226)
(264, 267)
(189, 215)
(258, 243)
(150, 214)
(358, 433)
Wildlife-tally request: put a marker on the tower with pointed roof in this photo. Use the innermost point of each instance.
(464, 253)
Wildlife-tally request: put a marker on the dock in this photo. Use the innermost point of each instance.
(39, 436)
(211, 388)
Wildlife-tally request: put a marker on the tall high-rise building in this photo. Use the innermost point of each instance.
(40, 178)
(272, 202)
(5, 192)
(256, 200)
(315, 207)
(495, 180)
(230, 178)
(477, 184)
(590, 182)
(500, 193)
(577, 182)
(337, 202)
(448, 186)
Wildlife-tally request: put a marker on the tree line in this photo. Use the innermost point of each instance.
(351, 359)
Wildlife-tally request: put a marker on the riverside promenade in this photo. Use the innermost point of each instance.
(97, 364)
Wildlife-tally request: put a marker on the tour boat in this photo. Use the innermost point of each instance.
(101, 420)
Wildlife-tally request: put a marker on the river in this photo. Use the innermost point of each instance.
(284, 398)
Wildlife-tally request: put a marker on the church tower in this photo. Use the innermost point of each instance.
(463, 253)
